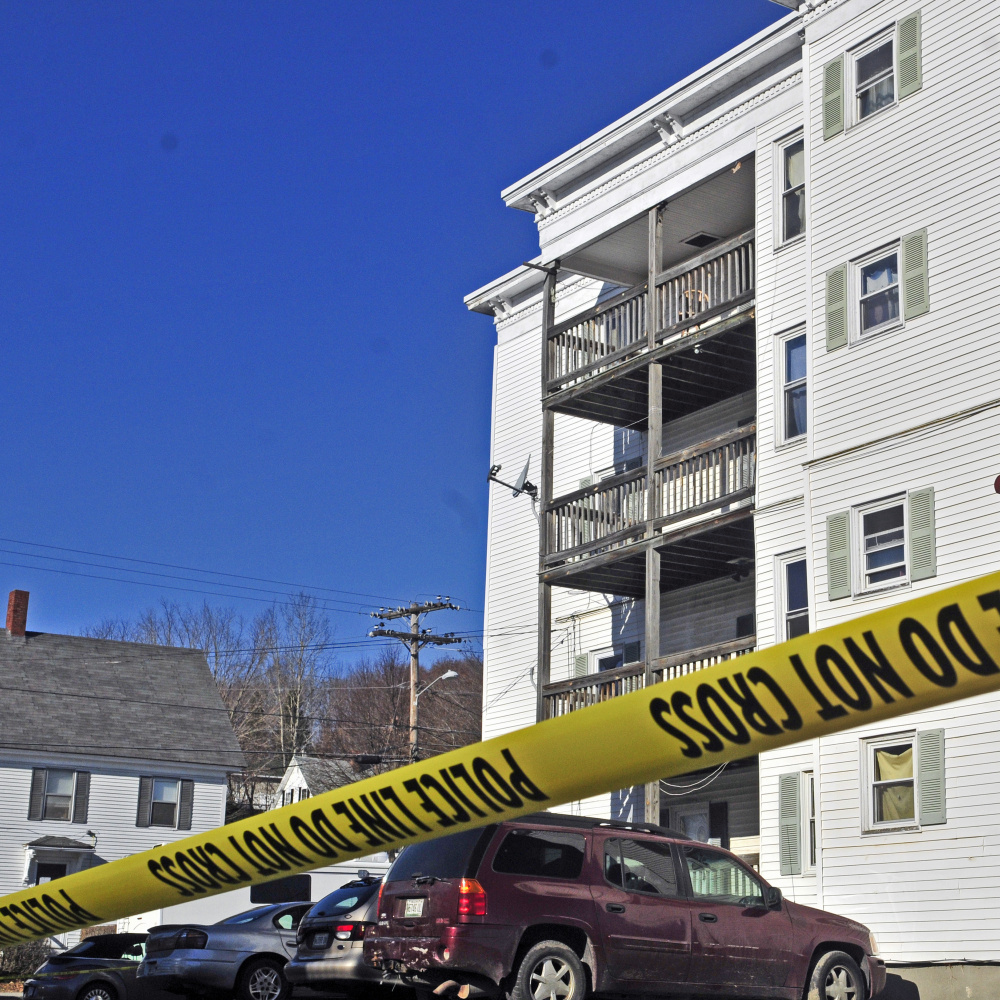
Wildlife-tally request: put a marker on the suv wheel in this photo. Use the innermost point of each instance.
(550, 970)
(836, 976)
(262, 979)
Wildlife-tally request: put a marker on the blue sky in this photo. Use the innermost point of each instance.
(235, 242)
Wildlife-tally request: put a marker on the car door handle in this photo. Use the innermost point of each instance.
(615, 908)
(708, 918)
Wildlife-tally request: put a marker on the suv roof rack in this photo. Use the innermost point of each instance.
(589, 822)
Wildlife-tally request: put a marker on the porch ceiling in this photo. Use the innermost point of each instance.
(700, 372)
(722, 206)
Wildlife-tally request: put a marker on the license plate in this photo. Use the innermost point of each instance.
(320, 940)
(413, 908)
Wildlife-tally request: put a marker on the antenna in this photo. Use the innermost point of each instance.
(521, 486)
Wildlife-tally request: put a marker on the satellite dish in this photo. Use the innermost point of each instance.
(522, 479)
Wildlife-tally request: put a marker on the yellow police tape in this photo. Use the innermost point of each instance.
(911, 656)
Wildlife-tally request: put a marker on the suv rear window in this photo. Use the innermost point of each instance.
(445, 857)
(542, 853)
(343, 900)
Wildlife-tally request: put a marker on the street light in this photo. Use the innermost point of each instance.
(447, 675)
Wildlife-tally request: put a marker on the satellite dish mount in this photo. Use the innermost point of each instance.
(521, 486)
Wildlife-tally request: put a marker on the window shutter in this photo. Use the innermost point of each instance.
(909, 66)
(186, 805)
(36, 798)
(836, 308)
(632, 651)
(81, 797)
(833, 98)
(930, 776)
(145, 802)
(581, 665)
(838, 556)
(923, 550)
(790, 823)
(916, 300)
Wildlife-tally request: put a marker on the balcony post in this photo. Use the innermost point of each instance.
(655, 266)
(543, 670)
(654, 448)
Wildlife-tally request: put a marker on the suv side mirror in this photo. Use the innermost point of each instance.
(772, 898)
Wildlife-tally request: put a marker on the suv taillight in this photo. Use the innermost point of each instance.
(378, 904)
(471, 899)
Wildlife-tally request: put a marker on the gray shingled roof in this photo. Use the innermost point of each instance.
(106, 698)
(325, 775)
(62, 843)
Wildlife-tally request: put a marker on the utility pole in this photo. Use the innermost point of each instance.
(415, 639)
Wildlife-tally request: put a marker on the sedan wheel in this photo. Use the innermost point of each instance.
(98, 991)
(263, 980)
(552, 979)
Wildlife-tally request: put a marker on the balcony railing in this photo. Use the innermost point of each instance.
(569, 696)
(687, 484)
(688, 295)
(599, 517)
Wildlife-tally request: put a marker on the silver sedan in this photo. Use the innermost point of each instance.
(245, 954)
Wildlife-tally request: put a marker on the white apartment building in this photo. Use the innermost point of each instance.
(753, 366)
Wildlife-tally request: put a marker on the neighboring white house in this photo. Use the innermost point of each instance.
(770, 396)
(107, 748)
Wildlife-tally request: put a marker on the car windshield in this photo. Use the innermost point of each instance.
(344, 900)
(248, 916)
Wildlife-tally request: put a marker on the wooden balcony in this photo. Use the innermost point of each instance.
(563, 697)
(711, 287)
(687, 485)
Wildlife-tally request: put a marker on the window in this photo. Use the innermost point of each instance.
(903, 781)
(606, 659)
(166, 802)
(58, 794)
(793, 188)
(164, 809)
(718, 877)
(874, 76)
(810, 816)
(878, 291)
(793, 386)
(795, 596)
(882, 539)
(47, 871)
(541, 854)
(644, 866)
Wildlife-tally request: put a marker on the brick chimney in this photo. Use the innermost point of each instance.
(17, 612)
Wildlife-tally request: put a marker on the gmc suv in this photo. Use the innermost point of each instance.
(553, 907)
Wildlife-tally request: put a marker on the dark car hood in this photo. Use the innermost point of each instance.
(803, 915)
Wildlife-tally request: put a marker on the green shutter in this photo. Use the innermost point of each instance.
(185, 807)
(833, 98)
(923, 550)
(790, 823)
(916, 300)
(908, 63)
(838, 555)
(581, 665)
(836, 308)
(930, 776)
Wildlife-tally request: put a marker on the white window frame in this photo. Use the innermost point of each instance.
(868, 747)
(810, 828)
(177, 802)
(851, 100)
(599, 654)
(858, 545)
(780, 147)
(780, 567)
(858, 334)
(781, 387)
(46, 793)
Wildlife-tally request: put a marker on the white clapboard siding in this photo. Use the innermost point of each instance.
(114, 794)
(893, 174)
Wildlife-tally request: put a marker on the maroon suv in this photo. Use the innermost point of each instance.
(552, 907)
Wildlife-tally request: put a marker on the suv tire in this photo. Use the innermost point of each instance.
(550, 970)
(836, 976)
